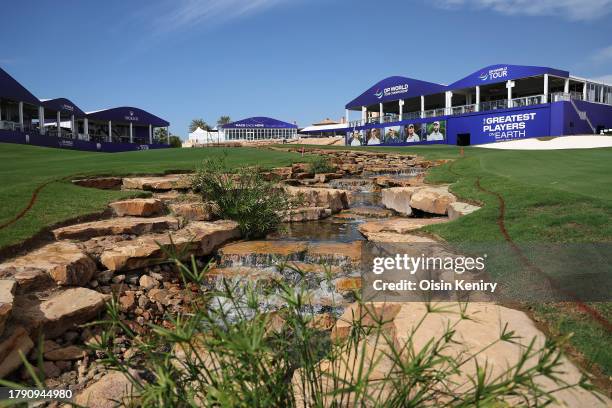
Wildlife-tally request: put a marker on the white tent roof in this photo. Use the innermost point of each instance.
(324, 128)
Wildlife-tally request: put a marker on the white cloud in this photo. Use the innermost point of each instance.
(602, 54)
(186, 13)
(568, 9)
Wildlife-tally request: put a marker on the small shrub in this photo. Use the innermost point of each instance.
(321, 164)
(242, 195)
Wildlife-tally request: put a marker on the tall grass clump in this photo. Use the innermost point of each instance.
(227, 352)
(242, 195)
(321, 164)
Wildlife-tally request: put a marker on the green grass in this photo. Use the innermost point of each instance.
(23, 168)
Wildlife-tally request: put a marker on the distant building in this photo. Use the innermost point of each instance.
(257, 128)
(325, 128)
(203, 137)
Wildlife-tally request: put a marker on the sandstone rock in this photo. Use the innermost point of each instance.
(139, 207)
(398, 198)
(348, 284)
(104, 183)
(62, 311)
(198, 238)
(261, 253)
(111, 388)
(65, 353)
(116, 226)
(397, 225)
(29, 279)
(476, 336)
(307, 214)
(63, 261)
(127, 300)
(458, 209)
(15, 340)
(163, 183)
(197, 211)
(334, 253)
(374, 212)
(433, 200)
(7, 291)
(148, 282)
(334, 199)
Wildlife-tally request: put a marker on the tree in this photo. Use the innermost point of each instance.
(175, 141)
(223, 120)
(198, 123)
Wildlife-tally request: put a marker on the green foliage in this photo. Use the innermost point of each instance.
(321, 164)
(175, 141)
(226, 352)
(198, 123)
(224, 120)
(243, 196)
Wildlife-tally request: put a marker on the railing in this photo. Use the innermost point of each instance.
(527, 101)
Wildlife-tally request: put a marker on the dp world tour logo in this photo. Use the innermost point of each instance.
(496, 73)
(484, 76)
(379, 94)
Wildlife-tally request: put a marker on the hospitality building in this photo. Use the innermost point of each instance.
(59, 122)
(496, 103)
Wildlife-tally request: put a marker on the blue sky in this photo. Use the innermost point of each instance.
(295, 60)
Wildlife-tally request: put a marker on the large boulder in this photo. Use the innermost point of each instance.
(162, 183)
(139, 207)
(7, 292)
(116, 226)
(398, 198)
(458, 209)
(61, 311)
(475, 332)
(306, 214)
(15, 340)
(198, 238)
(104, 183)
(433, 200)
(334, 199)
(194, 211)
(112, 388)
(63, 261)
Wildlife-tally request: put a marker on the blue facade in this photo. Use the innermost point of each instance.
(494, 104)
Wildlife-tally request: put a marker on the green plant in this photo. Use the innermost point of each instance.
(321, 164)
(257, 205)
(227, 352)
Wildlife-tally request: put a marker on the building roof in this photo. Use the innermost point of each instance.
(128, 114)
(63, 105)
(259, 122)
(326, 121)
(394, 88)
(10, 88)
(502, 73)
(324, 128)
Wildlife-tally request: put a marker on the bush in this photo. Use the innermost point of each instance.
(227, 352)
(258, 206)
(321, 164)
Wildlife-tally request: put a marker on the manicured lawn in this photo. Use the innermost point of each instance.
(23, 168)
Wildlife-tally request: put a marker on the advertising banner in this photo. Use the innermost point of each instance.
(354, 138)
(435, 131)
(373, 136)
(393, 135)
(413, 133)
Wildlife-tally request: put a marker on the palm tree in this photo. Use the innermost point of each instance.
(198, 123)
(223, 120)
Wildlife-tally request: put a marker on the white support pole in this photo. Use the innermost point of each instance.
(509, 86)
(364, 114)
(21, 115)
(131, 133)
(566, 86)
(110, 131)
(59, 124)
(449, 102)
(41, 120)
(422, 106)
(584, 91)
(545, 88)
(380, 112)
(150, 134)
(401, 109)
(75, 131)
(346, 116)
(477, 98)
(86, 128)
